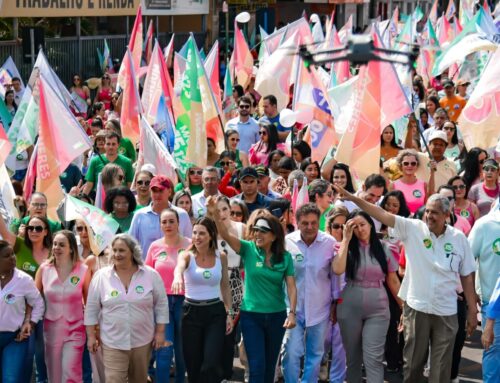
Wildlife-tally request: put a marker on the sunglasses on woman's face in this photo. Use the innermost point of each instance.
(409, 163)
(81, 228)
(120, 177)
(106, 78)
(225, 163)
(36, 228)
(197, 172)
(336, 226)
(459, 187)
(145, 183)
(238, 214)
(262, 133)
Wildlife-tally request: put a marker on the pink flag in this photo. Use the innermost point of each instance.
(379, 100)
(135, 47)
(30, 179)
(148, 44)
(131, 104)
(212, 68)
(451, 10)
(342, 71)
(310, 97)
(433, 13)
(169, 52)
(301, 197)
(445, 34)
(5, 145)
(61, 139)
(241, 64)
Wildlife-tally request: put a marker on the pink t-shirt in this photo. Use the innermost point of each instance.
(463, 225)
(414, 194)
(163, 258)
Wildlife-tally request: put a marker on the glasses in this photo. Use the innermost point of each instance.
(120, 177)
(413, 163)
(459, 187)
(238, 214)
(81, 228)
(38, 205)
(336, 226)
(490, 169)
(106, 78)
(234, 139)
(145, 183)
(450, 128)
(262, 133)
(244, 106)
(197, 172)
(36, 229)
(225, 163)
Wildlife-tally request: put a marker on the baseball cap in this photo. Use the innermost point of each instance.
(262, 225)
(161, 182)
(262, 170)
(248, 172)
(463, 82)
(438, 135)
(448, 83)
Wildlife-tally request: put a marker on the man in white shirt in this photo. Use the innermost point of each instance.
(436, 254)
(210, 181)
(245, 125)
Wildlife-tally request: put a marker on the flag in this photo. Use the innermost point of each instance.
(153, 151)
(169, 51)
(107, 62)
(340, 97)
(310, 97)
(100, 193)
(103, 227)
(7, 196)
(228, 104)
(135, 48)
(317, 32)
(433, 13)
(346, 31)
(157, 83)
(451, 10)
(179, 69)
(148, 43)
(190, 133)
(465, 11)
(8, 70)
(24, 128)
(212, 69)
(480, 119)
(30, 179)
(61, 139)
(445, 32)
(478, 34)
(5, 145)
(131, 104)
(275, 74)
(418, 14)
(379, 100)
(164, 126)
(301, 26)
(299, 197)
(241, 63)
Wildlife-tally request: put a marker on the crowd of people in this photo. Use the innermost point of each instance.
(362, 277)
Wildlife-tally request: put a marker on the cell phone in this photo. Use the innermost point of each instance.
(277, 212)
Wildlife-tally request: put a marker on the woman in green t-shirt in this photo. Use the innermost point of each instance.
(120, 205)
(193, 181)
(268, 266)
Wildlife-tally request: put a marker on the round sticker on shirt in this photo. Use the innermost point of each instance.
(63, 175)
(259, 264)
(201, 212)
(464, 213)
(417, 193)
(9, 299)
(139, 289)
(162, 256)
(448, 247)
(299, 257)
(207, 274)
(114, 293)
(28, 267)
(456, 106)
(427, 243)
(74, 280)
(121, 150)
(496, 246)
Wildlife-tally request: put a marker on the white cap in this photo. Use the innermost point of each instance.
(438, 135)
(149, 168)
(262, 225)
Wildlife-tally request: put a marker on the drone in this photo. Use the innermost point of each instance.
(360, 50)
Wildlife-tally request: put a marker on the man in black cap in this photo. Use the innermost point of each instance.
(263, 185)
(452, 103)
(249, 183)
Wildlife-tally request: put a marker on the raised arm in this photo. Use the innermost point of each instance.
(340, 260)
(213, 213)
(374, 211)
(6, 234)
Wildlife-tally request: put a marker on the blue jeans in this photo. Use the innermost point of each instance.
(172, 334)
(491, 358)
(36, 347)
(12, 357)
(86, 365)
(312, 339)
(262, 336)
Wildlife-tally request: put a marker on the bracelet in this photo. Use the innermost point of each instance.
(292, 312)
(230, 312)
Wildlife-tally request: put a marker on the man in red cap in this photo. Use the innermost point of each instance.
(145, 226)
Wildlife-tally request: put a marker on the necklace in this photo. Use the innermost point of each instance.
(5, 276)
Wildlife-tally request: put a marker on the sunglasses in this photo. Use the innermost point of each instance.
(225, 163)
(120, 177)
(36, 229)
(81, 228)
(490, 169)
(450, 128)
(262, 133)
(106, 78)
(336, 226)
(459, 187)
(197, 172)
(234, 139)
(413, 163)
(244, 106)
(236, 214)
(145, 183)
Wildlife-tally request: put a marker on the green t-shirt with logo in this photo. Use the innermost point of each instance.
(97, 163)
(127, 149)
(24, 258)
(264, 290)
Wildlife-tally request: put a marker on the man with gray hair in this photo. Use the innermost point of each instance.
(210, 181)
(436, 254)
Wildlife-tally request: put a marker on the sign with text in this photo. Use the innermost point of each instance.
(174, 7)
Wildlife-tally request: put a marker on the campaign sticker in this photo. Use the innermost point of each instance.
(207, 274)
(9, 299)
(162, 256)
(299, 257)
(114, 293)
(28, 267)
(496, 246)
(74, 280)
(259, 264)
(139, 289)
(427, 243)
(464, 213)
(417, 193)
(448, 247)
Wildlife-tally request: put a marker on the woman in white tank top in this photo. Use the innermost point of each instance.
(202, 274)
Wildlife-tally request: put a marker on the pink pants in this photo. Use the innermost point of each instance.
(64, 342)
